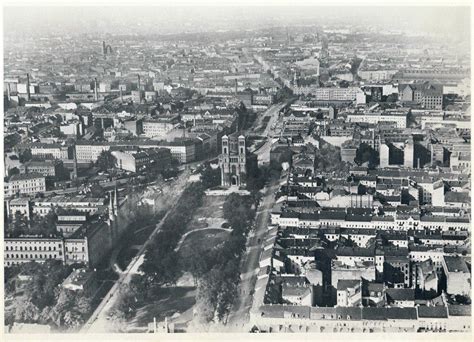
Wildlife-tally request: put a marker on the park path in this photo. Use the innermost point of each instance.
(178, 246)
(98, 322)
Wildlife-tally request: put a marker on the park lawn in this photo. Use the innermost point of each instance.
(211, 207)
(209, 214)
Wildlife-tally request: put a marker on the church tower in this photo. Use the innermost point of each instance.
(233, 160)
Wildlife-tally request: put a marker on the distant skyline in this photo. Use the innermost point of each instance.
(445, 21)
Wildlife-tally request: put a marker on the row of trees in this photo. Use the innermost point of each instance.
(160, 258)
(217, 270)
(160, 266)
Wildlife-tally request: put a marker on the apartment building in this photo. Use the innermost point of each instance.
(25, 184)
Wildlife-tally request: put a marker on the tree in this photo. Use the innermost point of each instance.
(392, 98)
(237, 211)
(44, 226)
(25, 156)
(210, 177)
(19, 224)
(83, 304)
(106, 161)
(97, 191)
(26, 311)
(283, 94)
(139, 286)
(73, 320)
(365, 153)
(13, 171)
(328, 158)
(127, 302)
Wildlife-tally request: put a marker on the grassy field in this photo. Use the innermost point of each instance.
(210, 214)
(211, 207)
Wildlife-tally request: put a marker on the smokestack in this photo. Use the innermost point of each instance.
(8, 92)
(115, 200)
(28, 87)
(104, 48)
(235, 86)
(96, 94)
(74, 172)
(139, 89)
(121, 96)
(111, 206)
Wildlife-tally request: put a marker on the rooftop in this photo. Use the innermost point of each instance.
(25, 176)
(344, 284)
(455, 264)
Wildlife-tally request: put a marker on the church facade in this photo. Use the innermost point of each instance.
(232, 161)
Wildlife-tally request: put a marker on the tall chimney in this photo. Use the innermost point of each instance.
(235, 86)
(74, 172)
(121, 96)
(104, 48)
(139, 89)
(115, 200)
(96, 94)
(28, 86)
(8, 92)
(111, 206)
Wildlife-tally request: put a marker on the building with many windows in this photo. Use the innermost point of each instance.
(49, 151)
(25, 184)
(157, 128)
(47, 168)
(87, 245)
(135, 161)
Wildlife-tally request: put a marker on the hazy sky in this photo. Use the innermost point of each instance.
(140, 19)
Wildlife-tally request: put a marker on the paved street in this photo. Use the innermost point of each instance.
(263, 153)
(239, 316)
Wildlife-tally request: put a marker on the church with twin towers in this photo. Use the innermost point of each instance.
(233, 161)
